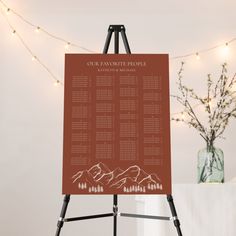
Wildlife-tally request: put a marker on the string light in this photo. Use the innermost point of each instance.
(225, 46)
(41, 29)
(33, 57)
(91, 51)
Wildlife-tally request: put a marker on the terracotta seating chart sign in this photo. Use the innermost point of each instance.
(116, 124)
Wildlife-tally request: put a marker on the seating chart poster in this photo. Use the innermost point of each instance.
(116, 124)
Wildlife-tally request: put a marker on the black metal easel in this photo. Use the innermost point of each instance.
(117, 29)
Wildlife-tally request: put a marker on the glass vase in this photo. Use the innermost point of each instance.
(210, 165)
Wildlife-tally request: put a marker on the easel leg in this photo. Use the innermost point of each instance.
(116, 42)
(62, 215)
(115, 210)
(174, 214)
(125, 40)
(108, 40)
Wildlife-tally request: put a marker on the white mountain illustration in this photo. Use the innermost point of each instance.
(132, 180)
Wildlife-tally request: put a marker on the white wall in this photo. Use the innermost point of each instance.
(31, 107)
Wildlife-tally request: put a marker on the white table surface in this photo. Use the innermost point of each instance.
(203, 209)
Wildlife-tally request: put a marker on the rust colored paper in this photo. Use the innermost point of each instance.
(116, 124)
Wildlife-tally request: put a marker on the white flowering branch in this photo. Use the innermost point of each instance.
(222, 93)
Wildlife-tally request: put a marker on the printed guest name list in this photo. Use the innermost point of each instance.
(116, 115)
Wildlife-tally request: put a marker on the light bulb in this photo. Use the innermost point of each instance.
(14, 32)
(34, 58)
(56, 83)
(225, 50)
(67, 45)
(8, 11)
(37, 30)
(197, 56)
(212, 103)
